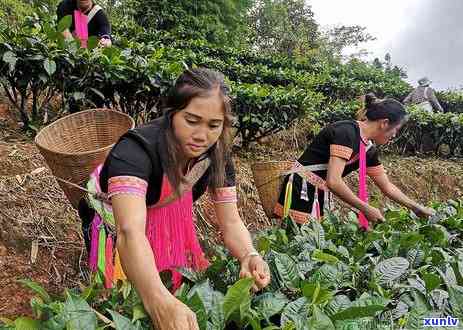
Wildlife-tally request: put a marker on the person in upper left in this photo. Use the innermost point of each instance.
(88, 19)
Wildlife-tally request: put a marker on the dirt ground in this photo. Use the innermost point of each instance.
(40, 236)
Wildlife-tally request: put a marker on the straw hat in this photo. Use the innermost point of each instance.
(424, 81)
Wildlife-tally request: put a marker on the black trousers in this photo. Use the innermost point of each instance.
(86, 214)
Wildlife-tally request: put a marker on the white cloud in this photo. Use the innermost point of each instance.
(412, 31)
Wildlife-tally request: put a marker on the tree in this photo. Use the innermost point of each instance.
(283, 26)
(344, 36)
(387, 67)
(218, 21)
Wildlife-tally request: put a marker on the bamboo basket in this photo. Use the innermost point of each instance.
(268, 178)
(74, 145)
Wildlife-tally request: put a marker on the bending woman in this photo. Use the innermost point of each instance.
(339, 149)
(152, 177)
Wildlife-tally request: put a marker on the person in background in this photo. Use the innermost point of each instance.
(339, 149)
(424, 96)
(96, 20)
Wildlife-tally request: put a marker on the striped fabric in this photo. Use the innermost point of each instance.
(340, 151)
(224, 195)
(127, 185)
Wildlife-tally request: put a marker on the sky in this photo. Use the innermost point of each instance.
(425, 37)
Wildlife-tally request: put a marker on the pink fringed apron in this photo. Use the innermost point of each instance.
(81, 24)
(169, 228)
(81, 27)
(308, 177)
(172, 235)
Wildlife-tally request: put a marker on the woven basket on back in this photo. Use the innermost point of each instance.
(268, 179)
(74, 145)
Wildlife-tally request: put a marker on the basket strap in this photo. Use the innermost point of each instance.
(311, 168)
(192, 178)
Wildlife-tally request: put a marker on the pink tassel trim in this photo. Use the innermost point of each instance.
(172, 236)
(363, 192)
(81, 28)
(109, 266)
(94, 238)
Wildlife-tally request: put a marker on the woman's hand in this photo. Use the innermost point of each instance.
(256, 267)
(105, 42)
(67, 35)
(423, 211)
(238, 240)
(171, 314)
(373, 214)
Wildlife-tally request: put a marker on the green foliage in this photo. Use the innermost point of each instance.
(343, 36)
(219, 21)
(374, 289)
(269, 92)
(451, 101)
(283, 27)
(14, 12)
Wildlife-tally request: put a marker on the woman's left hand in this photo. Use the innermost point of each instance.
(423, 211)
(105, 42)
(256, 267)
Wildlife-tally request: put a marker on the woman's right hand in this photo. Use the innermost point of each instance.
(373, 214)
(172, 314)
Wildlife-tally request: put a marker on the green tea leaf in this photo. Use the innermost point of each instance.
(263, 245)
(314, 293)
(11, 59)
(337, 304)
(26, 323)
(409, 240)
(365, 306)
(216, 313)
(440, 298)
(391, 269)
(324, 257)
(432, 281)
(320, 321)
(436, 234)
(296, 312)
(269, 304)
(205, 292)
(65, 23)
(355, 312)
(37, 288)
(197, 306)
(92, 42)
(78, 313)
(456, 300)
(49, 66)
(237, 295)
(419, 309)
(121, 322)
(138, 313)
(287, 270)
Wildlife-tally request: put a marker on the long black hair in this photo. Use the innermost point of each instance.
(377, 109)
(198, 82)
